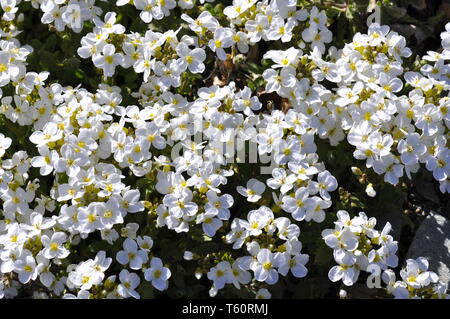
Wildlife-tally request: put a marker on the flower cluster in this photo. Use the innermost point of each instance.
(155, 9)
(77, 220)
(273, 246)
(357, 244)
(254, 21)
(395, 119)
(60, 13)
(12, 62)
(417, 282)
(135, 255)
(71, 144)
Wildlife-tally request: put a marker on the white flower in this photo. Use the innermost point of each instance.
(82, 294)
(145, 242)
(109, 213)
(416, 273)
(128, 283)
(264, 267)
(239, 232)
(10, 9)
(315, 209)
(223, 38)
(263, 293)
(130, 201)
(25, 266)
(191, 59)
(317, 37)
(440, 165)
(51, 133)
(345, 270)
(210, 223)
(180, 205)
(5, 143)
(277, 81)
(281, 180)
(296, 264)
(38, 224)
(131, 255)
(257, 28)
(221, 274)
(109, 235)
(245, 102)
(253, 190)
(411, 149)
(297, 205)
(8, 71)
(46, 161)
(53, 247)
(279, 30)
(325, 183)
(219, 205)
(108, 60)
(283, 59)
(239, 276)
(109, 25)
(258, 219)
(340, 238)
(370, 191)
(157, 274)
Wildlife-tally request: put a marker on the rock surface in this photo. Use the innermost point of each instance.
(432, 241)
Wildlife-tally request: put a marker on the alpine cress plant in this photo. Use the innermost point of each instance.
(90, 184)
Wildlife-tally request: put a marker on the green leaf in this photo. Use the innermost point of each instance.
(146, 290)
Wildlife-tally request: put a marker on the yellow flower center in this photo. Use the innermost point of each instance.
(267, 265)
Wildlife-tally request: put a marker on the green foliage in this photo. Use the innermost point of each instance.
(55, 52)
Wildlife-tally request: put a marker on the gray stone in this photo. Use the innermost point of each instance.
(432, 241)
